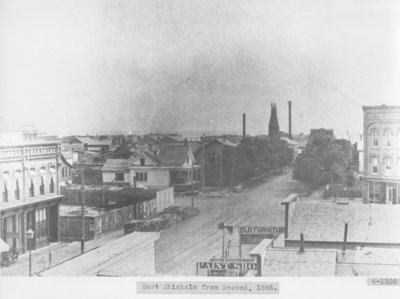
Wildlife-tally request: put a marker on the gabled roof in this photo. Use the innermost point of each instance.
(65, 159)
(102, 142)
(325, 222)
(145, 152)
(174, 154)
(225, 142)
(83, 140)
(116, 165)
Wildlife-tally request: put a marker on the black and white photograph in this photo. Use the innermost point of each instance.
(199, 147)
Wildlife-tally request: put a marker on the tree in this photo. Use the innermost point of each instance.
(324, 161)
(256, 157)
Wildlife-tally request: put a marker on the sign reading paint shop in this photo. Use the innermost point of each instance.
(255, 234)
(227, 265)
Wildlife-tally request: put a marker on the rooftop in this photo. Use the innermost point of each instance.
(367, 223)
(289, 262)
(116, 165)
(382, 107)
(130, 255)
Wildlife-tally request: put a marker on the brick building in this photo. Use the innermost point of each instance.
(381, 154)
(29, 189)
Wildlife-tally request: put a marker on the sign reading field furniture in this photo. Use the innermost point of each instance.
(227, 267)
(255, 234)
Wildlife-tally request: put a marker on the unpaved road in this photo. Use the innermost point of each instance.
(198, 239)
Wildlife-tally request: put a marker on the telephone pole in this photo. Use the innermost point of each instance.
(83, 209)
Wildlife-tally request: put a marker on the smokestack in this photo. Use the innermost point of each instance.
(244, 125)
(290, 119)
(273, 128)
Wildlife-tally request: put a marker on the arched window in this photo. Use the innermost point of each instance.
(32, 189)
(388, 137)
(5, 193)
(374, 137)
(17, 194)
(41, 186)
(51, 186)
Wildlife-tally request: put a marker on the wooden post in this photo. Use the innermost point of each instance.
(223, 241)
(83, 210)
(220, 173)
(204, 163)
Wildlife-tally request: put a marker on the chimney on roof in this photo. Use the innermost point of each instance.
(345, 237)
(273, 128)
(244, 125)
(186, 141)
(290, 119)
(301, 243)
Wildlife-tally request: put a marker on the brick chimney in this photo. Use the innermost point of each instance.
(273, 128)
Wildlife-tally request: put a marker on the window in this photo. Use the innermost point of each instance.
(119, 177)
(40, 223)
(388, 137)
(374, 136)
(375, 165)
(141, 176)
(5, 193)
(142, 161)
(17, 194)
(388, 165)
(51, 185)
(32, 189)
(41, 186)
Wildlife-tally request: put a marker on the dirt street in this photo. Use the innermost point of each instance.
(198, 238)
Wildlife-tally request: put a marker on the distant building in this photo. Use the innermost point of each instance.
(169, 165)
(217, 159)
(381, 154)
(65, 168)
(29, 188)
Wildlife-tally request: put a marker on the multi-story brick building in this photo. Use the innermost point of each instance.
(381, 154)
(29, 193)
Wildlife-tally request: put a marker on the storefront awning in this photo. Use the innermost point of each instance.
(4, 246)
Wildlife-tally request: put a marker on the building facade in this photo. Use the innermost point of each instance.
(29, 188)
(381, 154)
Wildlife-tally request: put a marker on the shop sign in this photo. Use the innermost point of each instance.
(255, 234)
(227, 265)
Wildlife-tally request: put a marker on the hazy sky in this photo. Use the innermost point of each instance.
(92, 65)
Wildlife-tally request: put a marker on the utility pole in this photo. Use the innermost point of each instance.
(83, 210)
(204, 162)
(220, 172)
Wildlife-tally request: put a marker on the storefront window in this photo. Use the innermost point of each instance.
(41, 223)
(377, 192)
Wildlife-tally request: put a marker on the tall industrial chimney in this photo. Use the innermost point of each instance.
(290, 119)
(244, 125)
(273, 128)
